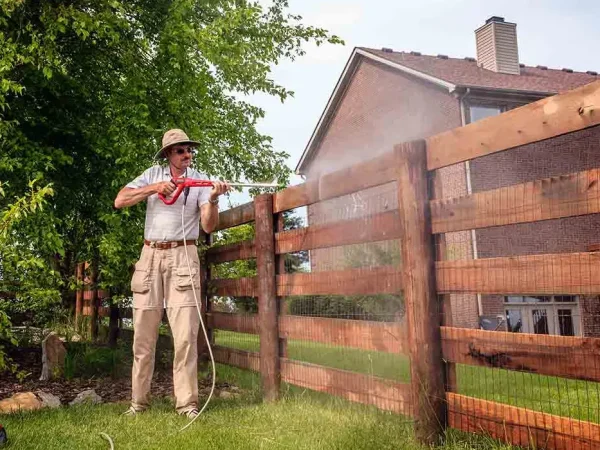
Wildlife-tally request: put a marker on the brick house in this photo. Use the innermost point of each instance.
(384, 97)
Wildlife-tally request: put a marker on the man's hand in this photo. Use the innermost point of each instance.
(165, 188)
(219, 188)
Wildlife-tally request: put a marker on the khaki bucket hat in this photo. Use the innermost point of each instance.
(173, 137)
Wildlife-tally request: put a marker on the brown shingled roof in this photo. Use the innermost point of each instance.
(462, 72)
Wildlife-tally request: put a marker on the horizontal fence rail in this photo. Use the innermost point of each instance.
(569, 195)
(385, 394)
(375, 172)
(367, 335)
(521, 426)
(544, 119)
(231, 252)
(563, 356)
(362, 281)
(233, 217)
(560, 273)
(237, 358)
(379, 227)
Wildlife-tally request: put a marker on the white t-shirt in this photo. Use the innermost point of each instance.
(163, 222)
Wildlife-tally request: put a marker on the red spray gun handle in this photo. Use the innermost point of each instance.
(181, 184)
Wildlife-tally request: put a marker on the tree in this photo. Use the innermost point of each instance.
(87, 87)
(11, 216)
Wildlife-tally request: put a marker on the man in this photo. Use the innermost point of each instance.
(162, 277)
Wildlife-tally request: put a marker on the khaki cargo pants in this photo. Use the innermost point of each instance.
(161, 279)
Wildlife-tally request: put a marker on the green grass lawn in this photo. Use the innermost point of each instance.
(573, 398)
(299, 421)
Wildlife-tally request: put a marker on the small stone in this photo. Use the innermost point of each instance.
(87, 396)
(234, 389)
(23, 401)
(48, 400)
(53, 357)
(225, 395)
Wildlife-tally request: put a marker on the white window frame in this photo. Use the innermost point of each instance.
(526, 309)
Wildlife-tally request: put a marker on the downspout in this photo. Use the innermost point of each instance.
(463, 119)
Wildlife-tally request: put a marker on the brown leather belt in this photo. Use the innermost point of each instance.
(167, 245)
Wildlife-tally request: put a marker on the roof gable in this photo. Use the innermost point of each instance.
(448, 73)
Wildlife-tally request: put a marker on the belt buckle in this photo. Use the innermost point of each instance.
(152, 244)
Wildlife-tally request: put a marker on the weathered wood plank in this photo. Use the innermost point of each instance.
(282, 305)
(544, 119)
(375, 172)
(420, 296)
(574, 194)
(562, 356)
(231, 252)
(233, 287)
(561, 273)
(79, 270)
(374, 228)
(521, 426)
(236, 216)
(364, 281)
(384, 394)
(379, 336)
(241, 323)
(266, 291)
(237, 358)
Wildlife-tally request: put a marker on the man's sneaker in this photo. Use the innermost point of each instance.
(131, 411)
(191, 414)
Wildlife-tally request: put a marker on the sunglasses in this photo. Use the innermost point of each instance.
(181, 151)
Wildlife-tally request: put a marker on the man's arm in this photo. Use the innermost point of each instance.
(131, 196)
(209, 212)
(209, 217)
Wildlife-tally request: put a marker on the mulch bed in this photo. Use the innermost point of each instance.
(110, 389)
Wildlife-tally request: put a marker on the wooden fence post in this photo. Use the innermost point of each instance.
(94, 299)
(79, 296)
(267, 297)
(203, 356)
(280, 270)
(422, 307)
(446, 319)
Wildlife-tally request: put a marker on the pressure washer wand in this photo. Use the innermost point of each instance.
(186, 183)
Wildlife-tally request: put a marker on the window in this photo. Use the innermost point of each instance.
(478, 112)
(542, 314)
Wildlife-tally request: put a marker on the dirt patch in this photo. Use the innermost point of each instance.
(110, 389)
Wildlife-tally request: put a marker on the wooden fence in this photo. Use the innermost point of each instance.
(433, 345)
(431, 397)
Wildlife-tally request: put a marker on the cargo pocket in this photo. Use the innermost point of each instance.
(182, 279)
(140, 282)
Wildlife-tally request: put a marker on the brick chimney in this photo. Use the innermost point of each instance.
(497, 48)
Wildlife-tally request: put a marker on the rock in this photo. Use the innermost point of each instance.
(225, 395)
(206, 390)
(87, 396)
(53, 357)
(48, 400)
(23, 401)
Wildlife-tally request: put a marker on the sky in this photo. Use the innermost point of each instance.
(553, 33)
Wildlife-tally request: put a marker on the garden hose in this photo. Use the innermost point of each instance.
(212, 358)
